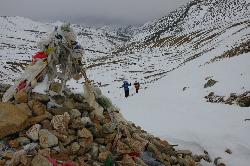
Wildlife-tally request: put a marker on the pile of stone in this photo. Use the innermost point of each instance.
(243, 100)
(44, 130)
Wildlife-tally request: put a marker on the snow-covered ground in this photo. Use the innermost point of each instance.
(186, 119)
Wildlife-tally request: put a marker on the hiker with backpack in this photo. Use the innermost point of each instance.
(137, 86)
(126, 88)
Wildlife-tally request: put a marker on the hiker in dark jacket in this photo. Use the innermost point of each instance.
(137, 86)
(126, 88)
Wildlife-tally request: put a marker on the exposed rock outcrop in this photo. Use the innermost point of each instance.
(210, 83)
(243, 100)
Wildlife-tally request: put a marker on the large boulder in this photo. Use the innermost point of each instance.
(12, 119)
(25, 108)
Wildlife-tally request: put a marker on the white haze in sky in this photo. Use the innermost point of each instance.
(91, 11)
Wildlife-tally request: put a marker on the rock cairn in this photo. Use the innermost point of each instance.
(44, 130)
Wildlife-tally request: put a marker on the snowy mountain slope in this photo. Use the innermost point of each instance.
(185, 118)
(195, 15)
(218, 49)
(170, 42)
(19, 37)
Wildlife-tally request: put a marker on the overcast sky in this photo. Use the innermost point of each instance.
(91, 11)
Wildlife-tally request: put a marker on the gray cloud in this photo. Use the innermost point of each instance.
(95, 11)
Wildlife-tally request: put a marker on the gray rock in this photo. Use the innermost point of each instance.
(74, 147)
(47, 139)
(182, 161)
(58, 111)
(56, 148)
(23, 141)
(100, 140)
(103, 155)
(39, 160)
(244, 101)
(85, 113)
(58, 99)
(60, 122)
(69, 103)
(210, 83)
(48, 115)
(55, 87)
(69, 140)
(30, 147)
(74, 113)
(94, 151)
(32, 133)
(40, 97)
(77, 124)
(95, 163)
(184, 152)
(173, 160)
(77, 97)
(84, 133)
(108, 128)
(86, 121)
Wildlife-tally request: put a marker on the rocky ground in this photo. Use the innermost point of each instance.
(242, 100)
(43, 130)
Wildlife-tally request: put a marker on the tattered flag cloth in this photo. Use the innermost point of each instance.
(39, 55)
(22, 85)
(57, 163)
(59, 52)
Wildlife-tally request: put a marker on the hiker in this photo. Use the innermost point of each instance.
(137, 86)
(126, 88)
